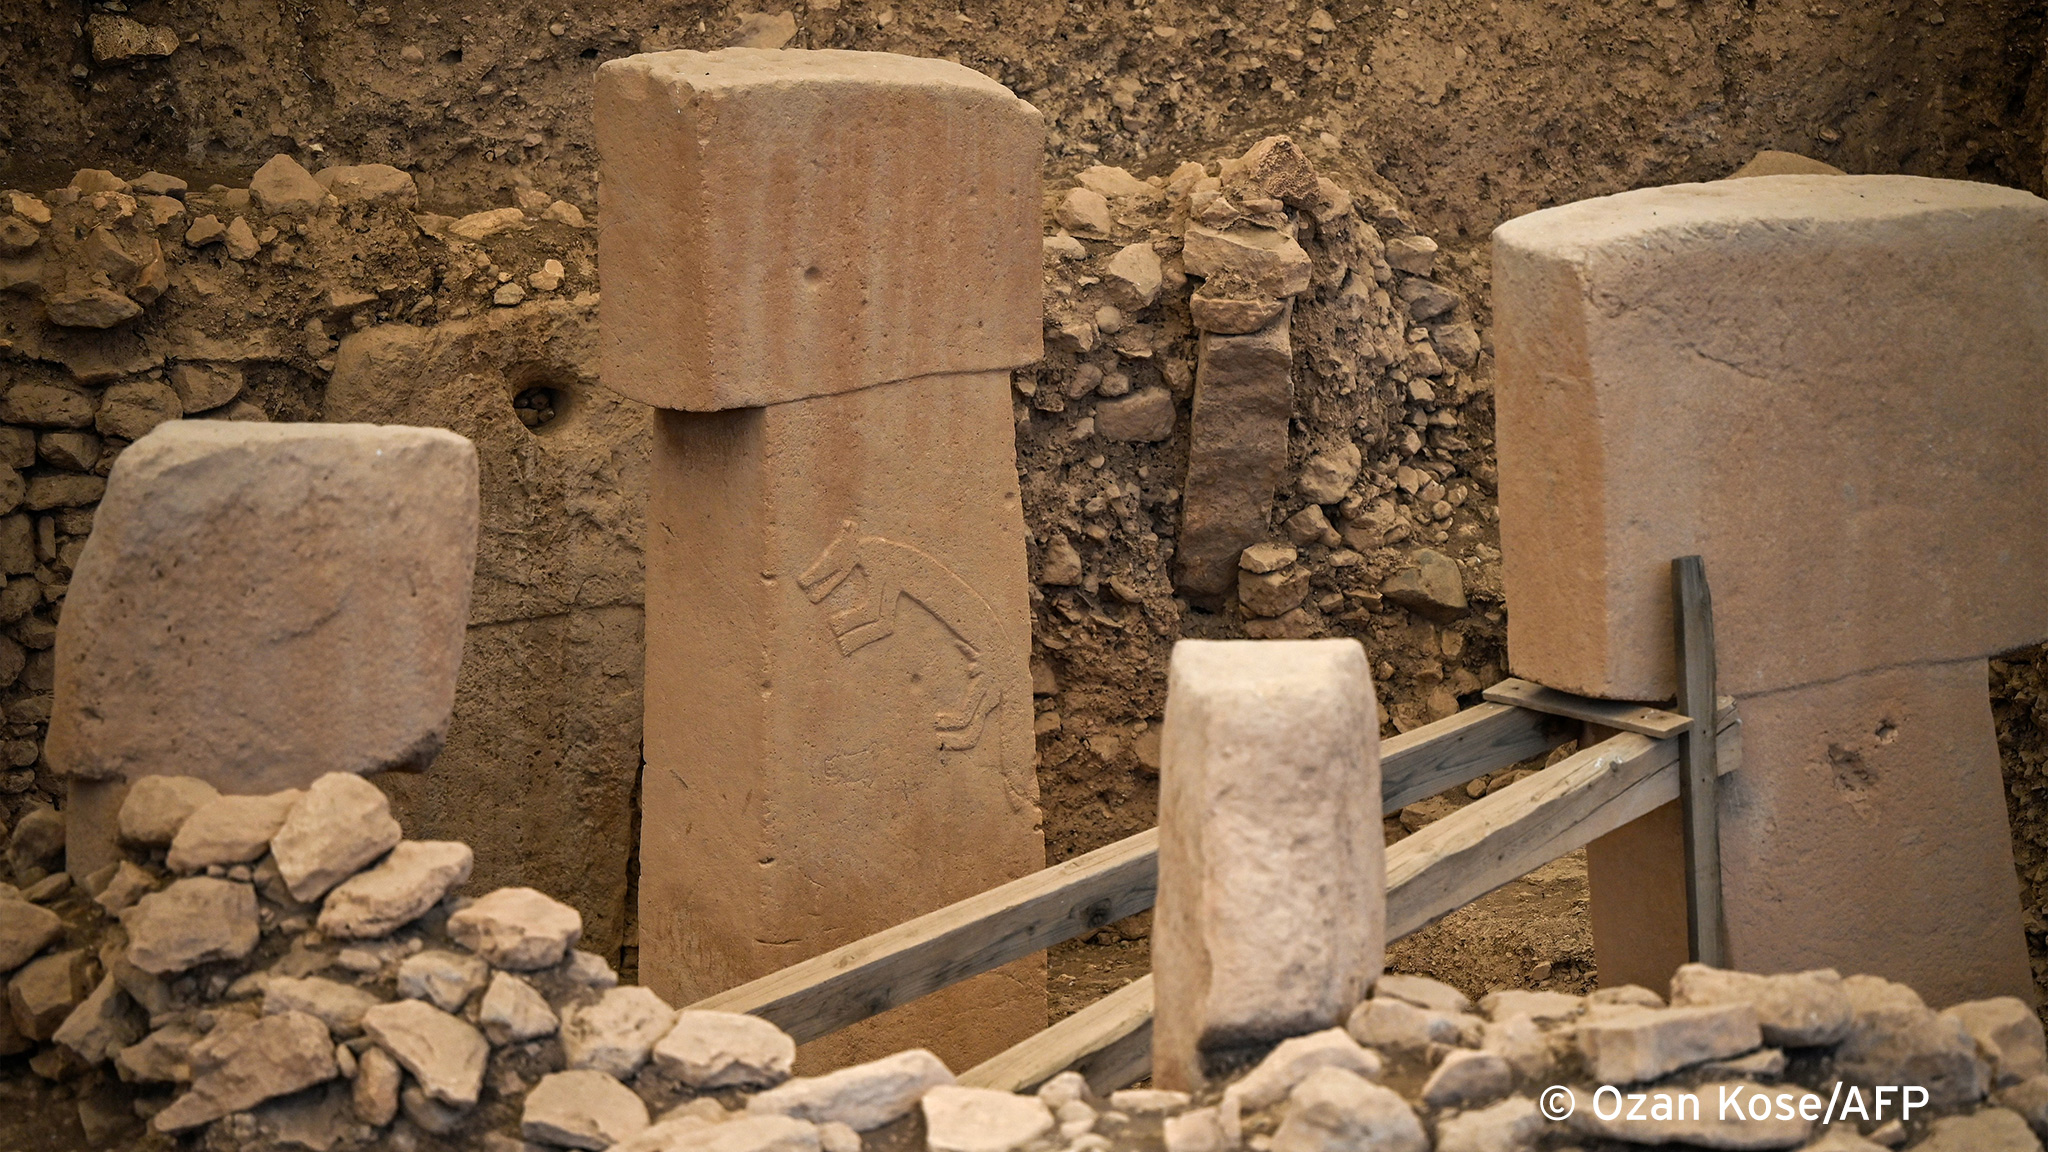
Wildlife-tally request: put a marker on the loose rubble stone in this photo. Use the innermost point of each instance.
(158, 184)
(442, 1052)
(579, 1109)
(37, 840)
(428, 1114)
(160, 1057)
(1763, 1064)
(131, 408)
(1272, 593)
(1085, 211)
(1894, 1038)
(1267, 263)
(339, 1006)
(377, 1081)
(1512, 1125)
(47, 492)
(1467, 1079)
(589, 970)
(1143, 417)
(281, 185)
(1424, 992)
(1276, 168)
(1539, 1006)
(1148, 1101)
(45, 991)
(1230, 316)
(1523, 1043)
(117, 38)
(1798, 1009)
(724, 1050)
(1708, 1128)
(91, 308)
(960, 1119)
(102, 1024)
(1629, 994)
(484, 225)
(1990, 1130)
(25, 930)
(342, 823)
(517, 929)
(864, 1097)
(445, 978)
(229, 830)
(399, 890)
(1263, 558)
(616, 1034)
(1328, 476)
(204, 387)
(512, 1012)
(240, 239)
(191, 922)
(1271, 916)
(2007, 1032)
(1431, 586)
(1134, 276)
(1415, 255)
(240, 1068)
(1402, 1027)
(1636, 1044)
(1334, 1109)
(373, 574)
(1293, 1060)
(370, 184)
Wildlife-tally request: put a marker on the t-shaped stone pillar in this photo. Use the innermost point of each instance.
(821, 266)
(1832, 389)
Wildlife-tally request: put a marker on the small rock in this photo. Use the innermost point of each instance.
(2029, 1098)
(339, 1006)
(1396, 1025)
(281, 185)
(1988, 1130)
(864, 1097)
(117, 38)
(1762, 1064)
(1134, 276)
(1143, 417)
(342, 824)
(1894, 1038)
(1524, 1044)
(25, 930)
(37, 840)
(158, 184)
(1432, 586)
(2008, 1034)
(1060, 564)
(1229, 316)
(1064, 247)
(48, 888)
(204, 387)
(1457, 343)
(747, 1134)
(517, 929)
(1115, 182)
(1148, 1101)
(446, 978)
(1272, 593)
(91, 308)
(1637, 1044)
(1415, 255)
(191, 922)
(1085, 211)
(1424, 992)
(28, 207)
(1334, 1109)
(160, 1057)
(837, 1137)
(563, 212)
(512, 1012)
(1264, 558)
(376, 1087)
(240, 240)
(484, 225)
(580, 1109)
(44, 992)
(400, 889)
(133, 407)
(725, 1050)
(443, 1053)
(428, 1114)
(616, 1034)
(1629, 994)
(1328, 476)
(549, 277)
(1426, 299)
(509, 295)
(1796, 1010)
(1467, 1079)
(229, 830)
(590, 970)
(1274, 168)
(206, 230)
(16, 236)
(128, 884)
(1199, 1130)
(960, 1119)
(370, 184)
(1293, 1060)
(1513, 1125)
(102, 1024)
(1259, 262)
(239, 1068)
(1708, 1127)
(1310, 526)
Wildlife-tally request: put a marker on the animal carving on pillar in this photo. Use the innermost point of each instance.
(892, 572)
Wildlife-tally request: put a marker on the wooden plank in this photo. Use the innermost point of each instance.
(1698, 784)
(1487, 843)
(1109, 1042)
(1656, 723)
(976, 935)
(1450, 752)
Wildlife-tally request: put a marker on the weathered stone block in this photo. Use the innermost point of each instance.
(260, 604)
(932, 266)
(1272, 870)
(1237, 452)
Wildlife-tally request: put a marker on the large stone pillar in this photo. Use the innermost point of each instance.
(821, 266)
(1833, 389)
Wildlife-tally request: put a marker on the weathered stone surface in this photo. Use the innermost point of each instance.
(517, 929)
(2008, 1035)
(103, 1023)
(1259, 261)
(1431, 585)
(960, 1119)
(1293, 1060)
(44, 992)
(1277, 169)
(354, 544)
(25, 929)
(1641, 426)
(191, 922)
(229, 830)
(341, 824)
(864, 1096)
(1539, 1006)
(1328, 476)
(399, 890)
(1133, 276)
(116, 38)
(1271, 919)
(942, 283)
(1625, 994)
(156, 806)
(160, 1057)
(512, 1012)
(1145, 416)
(1895, 1038)
(1707, 1128)
(580, 1109)
(339, 1006)
(131, 408)
(442, 1052)
(1467, 1079)
(375, 1095)
(204, 387)
(1771, 162)
(443, 977)
(589, 970)
(725, 1049)
(744, 1134)
(488, 223)
(1398, 1026)
(1424, 992)
(1795, 1009)
(1272, 593)
(1512, 1125)
(37, 840)
(1636, 1044)
(1334, 1109)
(1237, 452)
(281, 185)
(615, 1035)
(1230, 316)
(1988, 1130)
(91, 308)
(240, 1068)
(370, 184)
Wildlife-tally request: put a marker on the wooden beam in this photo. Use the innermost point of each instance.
(983, 932)
(1656, 723)
(1698, 785)
(1109, 1042)
(1450, 752)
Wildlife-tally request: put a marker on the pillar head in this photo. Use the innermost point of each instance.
(779, 225)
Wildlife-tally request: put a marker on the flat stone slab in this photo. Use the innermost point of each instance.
(862, 1097)
(261, 604)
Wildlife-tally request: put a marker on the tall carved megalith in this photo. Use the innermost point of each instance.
(1835, 390)
(820, 267)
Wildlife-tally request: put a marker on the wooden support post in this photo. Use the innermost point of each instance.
(1697, 787)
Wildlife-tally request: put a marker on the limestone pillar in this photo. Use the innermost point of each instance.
(1272, 914)
(1832, 389)
(821, 267)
